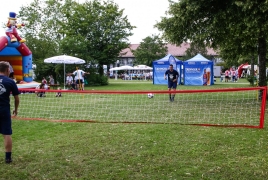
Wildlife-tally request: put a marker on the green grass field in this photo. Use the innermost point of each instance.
(57, 150)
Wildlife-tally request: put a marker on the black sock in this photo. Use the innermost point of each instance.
(8, 155)
(169, 96)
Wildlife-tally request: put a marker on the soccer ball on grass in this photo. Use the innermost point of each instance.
(150, 95)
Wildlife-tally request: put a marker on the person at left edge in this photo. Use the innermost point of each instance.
(7, 86)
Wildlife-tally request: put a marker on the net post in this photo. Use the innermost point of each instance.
(263, 105)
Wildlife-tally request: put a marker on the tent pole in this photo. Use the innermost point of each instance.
(64, 76)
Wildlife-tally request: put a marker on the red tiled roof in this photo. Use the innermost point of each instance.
(172, 49)
(127, 52)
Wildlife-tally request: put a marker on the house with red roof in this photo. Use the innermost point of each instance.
(126, 57)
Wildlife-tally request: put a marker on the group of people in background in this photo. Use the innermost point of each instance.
(230, 75)
(233, 74)
(135, 76)
(44, 85)
(74, 81)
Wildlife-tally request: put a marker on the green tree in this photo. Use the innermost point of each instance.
(149, 50)
(42, 32)
(234, 27)
(196, 48)
(95, 31)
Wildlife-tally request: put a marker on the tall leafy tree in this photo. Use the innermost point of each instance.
(150, 49)
(235, 27)
(42, 32)
(96, 31)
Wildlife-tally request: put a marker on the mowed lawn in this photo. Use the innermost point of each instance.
(57, 150)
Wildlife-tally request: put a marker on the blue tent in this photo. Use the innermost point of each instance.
(160, 66)
(198, 71)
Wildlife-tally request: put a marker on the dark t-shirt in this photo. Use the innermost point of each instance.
(7, 86)
(172, 75)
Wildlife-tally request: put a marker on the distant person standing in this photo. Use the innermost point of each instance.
(236, 75)
(233, 75)
(173, 76)
(151, 75)
(79, 77)
(7, 86)
(243, 74)
(226, 75)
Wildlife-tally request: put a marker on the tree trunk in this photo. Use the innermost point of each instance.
(252, 73)
(100, 70)
(262, 61)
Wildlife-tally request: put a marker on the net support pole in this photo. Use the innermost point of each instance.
(263, 106)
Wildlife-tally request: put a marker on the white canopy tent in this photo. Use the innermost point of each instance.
(121, 68)
(248, 66)
(142, 67)
(128, 68)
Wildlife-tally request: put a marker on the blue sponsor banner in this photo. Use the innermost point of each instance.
(198, 73)
(159, 71)
(162, 65)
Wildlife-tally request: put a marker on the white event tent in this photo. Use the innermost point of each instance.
(135, 68)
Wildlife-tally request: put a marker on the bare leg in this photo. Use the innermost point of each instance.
(8, 143)
(8, 147)
(173, 95)
(169, 95)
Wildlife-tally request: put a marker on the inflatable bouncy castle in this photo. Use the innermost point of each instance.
(14, 51)
(19, 56)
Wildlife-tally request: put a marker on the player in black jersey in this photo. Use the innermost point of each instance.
(173, 76)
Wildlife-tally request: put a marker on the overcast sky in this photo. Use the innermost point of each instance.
(141, 13)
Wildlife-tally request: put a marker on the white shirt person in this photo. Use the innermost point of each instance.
(69, 80)
(79, 76)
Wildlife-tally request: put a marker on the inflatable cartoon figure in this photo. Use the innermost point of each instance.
(12, 26)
